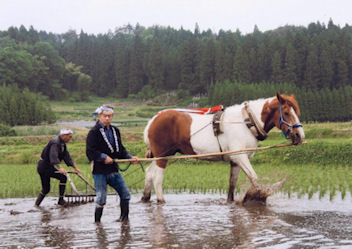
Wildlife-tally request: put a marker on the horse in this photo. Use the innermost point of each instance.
(242, 126)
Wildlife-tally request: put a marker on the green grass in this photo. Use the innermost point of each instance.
(194, 177)
(124, 109)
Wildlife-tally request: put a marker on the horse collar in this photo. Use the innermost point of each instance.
(253, 123)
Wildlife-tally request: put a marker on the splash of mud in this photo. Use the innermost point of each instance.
(255, 196)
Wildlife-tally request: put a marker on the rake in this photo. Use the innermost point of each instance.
(78, 198)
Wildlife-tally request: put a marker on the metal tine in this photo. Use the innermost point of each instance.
(77, 198)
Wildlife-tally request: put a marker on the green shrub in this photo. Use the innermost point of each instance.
(6, 130)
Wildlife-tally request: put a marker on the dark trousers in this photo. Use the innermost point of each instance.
(45, 178)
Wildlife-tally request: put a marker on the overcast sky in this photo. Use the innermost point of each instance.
(100, 16)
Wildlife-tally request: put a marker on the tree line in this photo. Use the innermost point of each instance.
(29, 62)
(134, 59)
(22, 107)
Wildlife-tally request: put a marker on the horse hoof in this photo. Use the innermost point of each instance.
(145, 199)
(161, 201)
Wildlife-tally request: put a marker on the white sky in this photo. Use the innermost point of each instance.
(100, 16)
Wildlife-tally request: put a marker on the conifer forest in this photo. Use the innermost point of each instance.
(313, 62)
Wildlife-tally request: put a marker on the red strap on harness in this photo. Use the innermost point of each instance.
(205, 110)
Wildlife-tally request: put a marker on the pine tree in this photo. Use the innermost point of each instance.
(241, 72)
(290, 65)
(190, 66)
(121, 67)
(341, 74)
(326, 70)
(156, 66)
(276, 63)
(207, 65)
(136, 75)
(312, 73)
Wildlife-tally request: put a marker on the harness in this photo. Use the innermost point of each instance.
(253, 123)
(217, 127)
(283, 121)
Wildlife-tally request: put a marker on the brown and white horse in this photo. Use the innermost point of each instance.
(172, 131)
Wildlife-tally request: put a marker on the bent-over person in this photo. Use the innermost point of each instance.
(103, 145)
(49, 165)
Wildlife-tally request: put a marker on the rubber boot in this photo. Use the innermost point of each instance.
(125, 209)
(39, 199)
(61, 201)
(98, 214)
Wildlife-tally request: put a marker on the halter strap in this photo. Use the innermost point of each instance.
(283, 121)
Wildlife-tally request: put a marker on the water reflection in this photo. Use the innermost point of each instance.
(103, 234)
(102, 241)
(125, 236)
(248, 222)
(185, 221)
(158, 232)
(54, 236)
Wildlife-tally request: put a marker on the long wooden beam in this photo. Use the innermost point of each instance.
(206, 155)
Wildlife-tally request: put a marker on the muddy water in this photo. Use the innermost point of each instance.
(185, 221)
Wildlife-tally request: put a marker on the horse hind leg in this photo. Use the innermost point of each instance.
(154, 176)
(234, 171)
(158, 180)
(148, 182)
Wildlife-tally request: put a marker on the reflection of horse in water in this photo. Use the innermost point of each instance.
(239, 127)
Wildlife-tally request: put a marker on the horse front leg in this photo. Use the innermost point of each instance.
(234, 171)
(243, 162)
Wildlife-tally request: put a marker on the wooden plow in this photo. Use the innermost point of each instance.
(76, 198)
(216, 154)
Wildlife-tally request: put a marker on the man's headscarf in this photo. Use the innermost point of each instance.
(102, 108)
(65, 132)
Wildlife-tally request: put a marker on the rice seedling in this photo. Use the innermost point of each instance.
(322, 166)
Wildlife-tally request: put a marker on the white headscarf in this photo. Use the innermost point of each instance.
(65, 132)
(102, 108)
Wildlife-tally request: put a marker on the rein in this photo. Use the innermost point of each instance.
(283, 121)
(247, 150)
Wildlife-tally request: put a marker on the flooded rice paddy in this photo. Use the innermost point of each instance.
(184, 221)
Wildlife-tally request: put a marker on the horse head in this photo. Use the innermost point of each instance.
(283, 112)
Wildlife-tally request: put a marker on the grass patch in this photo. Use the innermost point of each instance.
(194, 177)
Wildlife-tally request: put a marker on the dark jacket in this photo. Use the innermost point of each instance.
(97, 144)
(53, 153)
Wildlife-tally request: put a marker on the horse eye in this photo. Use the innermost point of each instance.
(286, 113)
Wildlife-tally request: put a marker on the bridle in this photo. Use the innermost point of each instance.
(283, 121)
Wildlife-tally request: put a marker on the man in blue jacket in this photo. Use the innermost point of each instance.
(103, 146)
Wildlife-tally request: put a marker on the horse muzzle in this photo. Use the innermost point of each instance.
(296, 138)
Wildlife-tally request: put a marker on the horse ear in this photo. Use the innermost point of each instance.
(281, 100)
